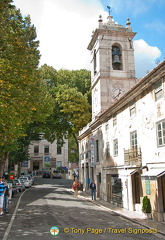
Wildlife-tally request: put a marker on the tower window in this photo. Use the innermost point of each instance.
(94, 63)
(116, 58)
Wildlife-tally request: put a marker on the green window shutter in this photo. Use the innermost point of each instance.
(148, 187)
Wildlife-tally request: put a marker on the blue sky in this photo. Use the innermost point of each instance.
(64, 29)
(147, 18)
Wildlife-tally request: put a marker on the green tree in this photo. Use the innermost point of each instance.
(49, 75)
(24, 97)
(146, 205)
(72, 105)
(79, 79)
(71, 113)
(75, 105)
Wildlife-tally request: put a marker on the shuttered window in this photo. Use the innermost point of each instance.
(148, 187)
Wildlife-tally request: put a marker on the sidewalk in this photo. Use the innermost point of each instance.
(132, 215)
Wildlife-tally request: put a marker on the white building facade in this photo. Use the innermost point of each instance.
(123, 147)
(44, 154)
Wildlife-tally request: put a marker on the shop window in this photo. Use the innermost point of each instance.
(116, 184)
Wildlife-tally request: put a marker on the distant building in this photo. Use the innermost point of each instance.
(123, 147)
(44, 154)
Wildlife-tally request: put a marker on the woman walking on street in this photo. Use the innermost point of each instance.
(75, 187)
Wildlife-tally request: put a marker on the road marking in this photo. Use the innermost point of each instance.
(12, 218)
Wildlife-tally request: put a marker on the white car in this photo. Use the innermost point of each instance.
(26, 181)
(20, 184)
(30, 178)
(56, 174)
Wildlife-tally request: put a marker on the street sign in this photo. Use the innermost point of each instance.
(53, 162)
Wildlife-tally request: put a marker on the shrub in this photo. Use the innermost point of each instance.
(146, 205)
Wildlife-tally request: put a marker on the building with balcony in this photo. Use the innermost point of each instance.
(44, 154)
(123, 148)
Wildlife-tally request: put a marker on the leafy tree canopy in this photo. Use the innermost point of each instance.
(72, 104)
(24, 97)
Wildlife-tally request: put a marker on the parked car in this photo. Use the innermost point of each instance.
(13, 186)
(46, 174)
(56, 174)
(26, 181)
(20, 184)
(31, 178)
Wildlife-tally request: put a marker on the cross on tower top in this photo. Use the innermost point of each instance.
(109, 11)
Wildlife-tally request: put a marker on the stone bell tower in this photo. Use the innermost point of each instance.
(112, 63)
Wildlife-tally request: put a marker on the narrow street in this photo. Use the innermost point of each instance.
(50, 203)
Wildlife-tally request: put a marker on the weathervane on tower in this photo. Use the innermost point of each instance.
(109, 11)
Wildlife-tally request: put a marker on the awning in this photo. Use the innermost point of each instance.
(154, 172)
(128, 172)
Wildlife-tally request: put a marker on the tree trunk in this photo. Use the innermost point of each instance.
(75, 137)
(3, 161)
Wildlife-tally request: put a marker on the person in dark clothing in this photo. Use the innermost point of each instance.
(93, 190)
(6, 195)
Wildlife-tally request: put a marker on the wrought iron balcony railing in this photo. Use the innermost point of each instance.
(133, 156)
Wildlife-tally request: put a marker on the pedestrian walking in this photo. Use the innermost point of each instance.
(2, 192)
(6, 197)
(75, 187)
(93, 190)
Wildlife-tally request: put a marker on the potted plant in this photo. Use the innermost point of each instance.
(146, 206)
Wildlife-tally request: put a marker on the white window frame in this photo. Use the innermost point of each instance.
(160, 127)
(132, 108)
(133, 139)
(115, 147)
(158, 90)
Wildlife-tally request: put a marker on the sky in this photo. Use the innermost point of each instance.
(64, 29)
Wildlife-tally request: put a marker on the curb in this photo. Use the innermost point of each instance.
(120, 214)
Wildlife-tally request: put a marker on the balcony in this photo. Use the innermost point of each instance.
(133, 156)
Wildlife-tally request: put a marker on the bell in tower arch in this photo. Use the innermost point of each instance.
(116, 58)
